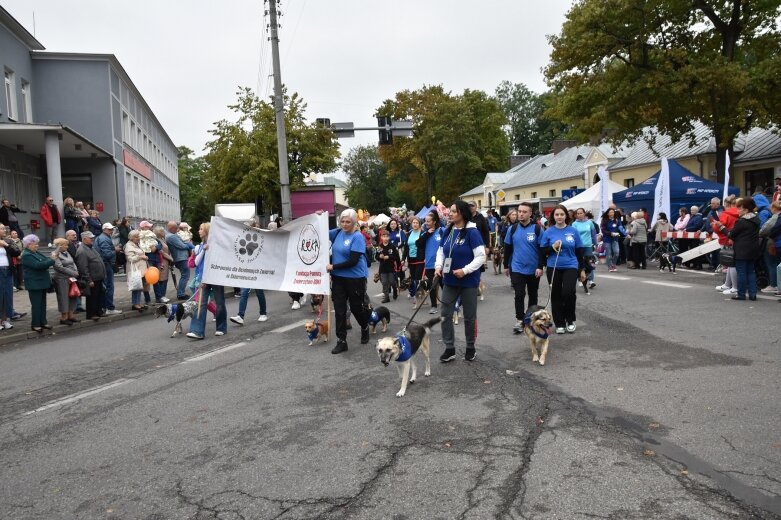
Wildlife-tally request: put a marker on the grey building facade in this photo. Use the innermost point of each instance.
(75, 125)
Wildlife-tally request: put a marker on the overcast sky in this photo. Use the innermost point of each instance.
(188, 57)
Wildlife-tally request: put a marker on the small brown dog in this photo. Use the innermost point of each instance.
(315, 331)
(316, 301)
(497, 257)
(538, 326)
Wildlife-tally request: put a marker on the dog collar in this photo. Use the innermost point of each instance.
(527, 321)
(172, 315)
(374, 317)
(315, 332)
(405, 348)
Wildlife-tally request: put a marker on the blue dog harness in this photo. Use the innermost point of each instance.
(374, 318)
(527, 321)
(172, 315)
(406, 348)
(313, 335)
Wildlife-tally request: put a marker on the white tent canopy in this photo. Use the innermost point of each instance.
(589, 199)
(379, 220)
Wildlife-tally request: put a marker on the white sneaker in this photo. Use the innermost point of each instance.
(571, 328)
(729, 291)
(769, 290)
(6, 325)
(296, 306)
(113, 312)
(721, 288)
(263, 317)
(50, 244)
(237, 319)
(559, 330)
(165, 300)
(433, 310)
(193, 335)
(219, 333)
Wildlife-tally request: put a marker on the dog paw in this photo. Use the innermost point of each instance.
(542, 362)
(535, 359)
(412, 380)
(248, 244)
(400, 393)
(427, 373)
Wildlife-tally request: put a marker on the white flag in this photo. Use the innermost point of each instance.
(604, 190)
(726, 176)
(292, 258)
(662, 193)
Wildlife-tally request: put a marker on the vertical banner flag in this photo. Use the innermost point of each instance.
(604, 190)
(292, 258)
(726, 176)
(662, 193)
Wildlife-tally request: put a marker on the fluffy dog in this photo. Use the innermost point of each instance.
(177, 312)
(379, 315)
(497, 257)
(402, 348)
(668, 261)
(315, 331)
(538, 326)
(316, 301)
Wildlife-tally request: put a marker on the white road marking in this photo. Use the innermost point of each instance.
(706, 272)
(668, 284)
(81, 395)
(614, 277)
(290, 327)
(378, 295)
(214, 352)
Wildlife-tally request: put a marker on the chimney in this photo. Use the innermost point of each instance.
(515, 160)
(559, 145)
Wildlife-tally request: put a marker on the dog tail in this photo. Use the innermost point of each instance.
(433, 321)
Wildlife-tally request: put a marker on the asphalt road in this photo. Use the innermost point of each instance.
(663, 404)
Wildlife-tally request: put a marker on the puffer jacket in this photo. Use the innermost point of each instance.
(745, 237)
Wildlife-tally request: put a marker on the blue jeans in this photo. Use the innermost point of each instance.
(747, 278)
(198, 322)
(771, 262)
(611, 253)
(245, 296)
(135, 297)
(161, 288)
(6, 293)
(184, 271)
(108, 287)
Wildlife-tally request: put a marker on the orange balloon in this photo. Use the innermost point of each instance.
(152, 275)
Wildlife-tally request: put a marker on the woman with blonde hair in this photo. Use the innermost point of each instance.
(65, 272)
(136, 265)
(72, 215)
(205, 290)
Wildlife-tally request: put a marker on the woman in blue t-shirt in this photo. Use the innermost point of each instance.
(414, 256)
(562, 254)
(348, 277)
(458, 263)
(613, 233)
(432, 239)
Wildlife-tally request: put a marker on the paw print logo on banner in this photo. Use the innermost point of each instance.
(248, 246)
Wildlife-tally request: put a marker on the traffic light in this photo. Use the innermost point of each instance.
(384, 123)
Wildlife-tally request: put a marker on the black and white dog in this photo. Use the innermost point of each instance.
(402, 347)
(668, 261)
(177, 312)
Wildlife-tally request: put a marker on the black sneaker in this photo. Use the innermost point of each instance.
(385, 300)
(470, 354)
(448, 355)
(349, 325)
(365, 335)
(395, 293)
(341, 346)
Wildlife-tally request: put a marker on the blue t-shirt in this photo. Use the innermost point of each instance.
(412, 250)
(492, 224)
(461, 252)
(342, 244)
(586, 230)
(570, 241)
(525, 244)
(612, 226)
(396, 238)
(432, 245)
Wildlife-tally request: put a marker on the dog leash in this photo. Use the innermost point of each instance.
(553, 273)
(434, 281)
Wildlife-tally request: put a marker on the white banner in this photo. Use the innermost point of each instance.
(292, 258)
(662, 193)
(726, 176)
(604, 192)
(704, 249)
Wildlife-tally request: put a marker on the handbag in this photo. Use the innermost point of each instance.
(727, 256)
(73, 290)
(135, 280)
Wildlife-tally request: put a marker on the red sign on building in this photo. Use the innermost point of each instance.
(136, 164)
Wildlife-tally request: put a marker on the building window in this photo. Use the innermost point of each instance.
(517, 197)
(534, 194)
(552, 193)
(27, 107)
(10, 95)
(629, 183)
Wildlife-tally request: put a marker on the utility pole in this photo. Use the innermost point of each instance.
(279, 108)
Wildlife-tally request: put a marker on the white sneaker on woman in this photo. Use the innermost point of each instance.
(296, 305)
(729, 291)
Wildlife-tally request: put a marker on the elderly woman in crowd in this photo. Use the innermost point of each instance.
(94, 224)
(161, 287)
(8, 252)
(36, 280)
(348, 276)
(65, 271)
(136, 262)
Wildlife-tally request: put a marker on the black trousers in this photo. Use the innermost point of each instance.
(344, 290)
(434, 294)
(523, 283)
(95, 300)
(638, 254)
(563, 296)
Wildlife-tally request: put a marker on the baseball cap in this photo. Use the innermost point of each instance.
(145, 224)
(108, 225)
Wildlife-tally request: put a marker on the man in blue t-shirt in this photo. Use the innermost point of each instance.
(521, 256)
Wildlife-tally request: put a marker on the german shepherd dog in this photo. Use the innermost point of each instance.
(538, 327)
(402, 348)
(497, 257)
(668, 261)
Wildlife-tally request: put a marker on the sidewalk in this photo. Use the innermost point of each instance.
(23, 332)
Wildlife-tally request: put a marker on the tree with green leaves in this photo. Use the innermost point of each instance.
(242, 157)
(621, 65)
(194, 200)
(530, 131)
(457, 140)
(367, 184)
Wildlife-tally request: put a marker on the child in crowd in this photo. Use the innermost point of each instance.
(185, 232)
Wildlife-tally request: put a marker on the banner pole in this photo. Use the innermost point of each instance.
(328, 310)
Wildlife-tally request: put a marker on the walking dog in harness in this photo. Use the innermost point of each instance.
(402, 348)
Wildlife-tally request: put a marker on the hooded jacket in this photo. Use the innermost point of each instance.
(728, 217)
(745, 237)
(763, 208)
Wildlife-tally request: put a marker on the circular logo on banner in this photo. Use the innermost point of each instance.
(308, 245)
(248, 245)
